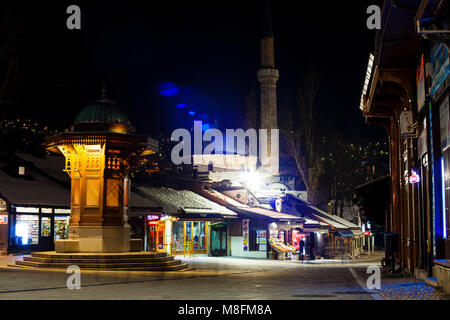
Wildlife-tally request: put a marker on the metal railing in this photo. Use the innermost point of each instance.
(189, 249)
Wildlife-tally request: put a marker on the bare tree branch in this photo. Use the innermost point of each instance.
(299, 132)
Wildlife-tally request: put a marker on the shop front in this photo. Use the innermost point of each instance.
(219, 238)
(158, 233)
(263, 233)
(36, 228)
(185, 222)
(194, 232)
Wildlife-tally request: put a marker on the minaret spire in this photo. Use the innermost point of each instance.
(267, 21)
(267, 77)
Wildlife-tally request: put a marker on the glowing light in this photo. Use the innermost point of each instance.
(205, 126)
(414, 177)
(168, 89)
(22, 231)
(367, 79)
(444, 209)
(181, 105)
(191, 113)
(27, 209)
(252, 180)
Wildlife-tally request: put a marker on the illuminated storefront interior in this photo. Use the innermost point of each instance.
(184, 219)
(36, 228)
(195, 231)
(35, 201)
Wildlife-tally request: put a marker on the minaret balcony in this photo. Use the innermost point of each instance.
(268, 74)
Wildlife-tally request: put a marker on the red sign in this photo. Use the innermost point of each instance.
(414, 177)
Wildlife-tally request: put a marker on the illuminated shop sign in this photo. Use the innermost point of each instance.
(414, 177)
(27, 209)
(2, 205)
(151, 217)
(62, 210)
(3, 219)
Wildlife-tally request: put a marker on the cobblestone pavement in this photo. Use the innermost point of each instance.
(406, 288)
(210, 278)
(218, 278)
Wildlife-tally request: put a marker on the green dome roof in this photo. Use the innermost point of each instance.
(102, 111)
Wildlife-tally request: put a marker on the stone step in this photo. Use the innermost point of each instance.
(431, 281)
(99, 261)
(177, 267)
(99, 265)
(102, 256)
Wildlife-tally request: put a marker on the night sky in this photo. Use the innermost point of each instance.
(208, 49)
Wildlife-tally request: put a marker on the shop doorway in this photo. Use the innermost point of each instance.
(156, 235)
(219, 239)
(45, 234)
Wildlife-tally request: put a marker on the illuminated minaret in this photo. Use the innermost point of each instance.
(267, 77)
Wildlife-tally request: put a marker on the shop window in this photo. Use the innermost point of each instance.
(195, 236)
(188, 231)
(112, 193)
(27, 229)
(92, 192)
(61, 227)
(161, 235)
(202, 236)
(45, 226)
(178, 230)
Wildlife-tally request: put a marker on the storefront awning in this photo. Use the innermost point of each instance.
(357, 233)
(345, 234)
(182, 203)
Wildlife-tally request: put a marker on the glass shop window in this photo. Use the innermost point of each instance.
(195, 235)
(178, 230)
(61, 227)
(112, 193)
(27, 229)
(92, 192)
(45, 226)
(202, 235)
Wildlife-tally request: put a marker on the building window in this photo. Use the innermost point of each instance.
(21, 171)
